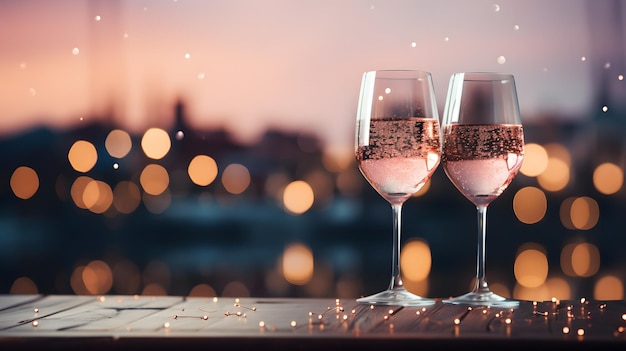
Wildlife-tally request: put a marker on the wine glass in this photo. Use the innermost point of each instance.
(483, 150)
(398, 147)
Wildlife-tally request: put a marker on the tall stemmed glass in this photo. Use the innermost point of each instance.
(483, 150)
(398, 148)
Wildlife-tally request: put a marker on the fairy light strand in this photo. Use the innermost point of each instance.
(553, 309)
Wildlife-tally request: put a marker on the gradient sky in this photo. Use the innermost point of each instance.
(291, 64)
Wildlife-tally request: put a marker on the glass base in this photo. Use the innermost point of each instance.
(488, 298)
(396, 297)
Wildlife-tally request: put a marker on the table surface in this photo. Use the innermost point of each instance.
(119, 322)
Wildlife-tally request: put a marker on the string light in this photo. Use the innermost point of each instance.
(552, 308)
(239, 313)
(237, 304)
(539, 313)
(418, 312)
(204, 317)
(504, 316)
(338, 309)
(555, 300)
(457, 321)
(319, 315)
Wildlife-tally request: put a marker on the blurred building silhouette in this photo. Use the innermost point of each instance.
(208, 235)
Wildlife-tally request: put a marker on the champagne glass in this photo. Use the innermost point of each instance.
(398, 147)
(483, 150)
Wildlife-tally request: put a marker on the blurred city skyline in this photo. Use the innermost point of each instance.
(248, 66)
(191, 211)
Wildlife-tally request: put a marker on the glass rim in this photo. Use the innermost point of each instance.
(417, 72)
(484, 76)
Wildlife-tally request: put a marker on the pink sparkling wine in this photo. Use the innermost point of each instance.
(400, 157)
(482, 160)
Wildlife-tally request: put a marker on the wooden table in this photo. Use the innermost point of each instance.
(180, 323)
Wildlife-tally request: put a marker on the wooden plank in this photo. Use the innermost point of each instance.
(40, 308)
(10, 301)
(118, 312)
(248, 322)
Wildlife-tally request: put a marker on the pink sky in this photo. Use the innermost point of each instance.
(295, 65)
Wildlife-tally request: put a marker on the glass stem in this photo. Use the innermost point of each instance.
(396, 279)
(481, 285)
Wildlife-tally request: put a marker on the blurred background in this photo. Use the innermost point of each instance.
(205, 148)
